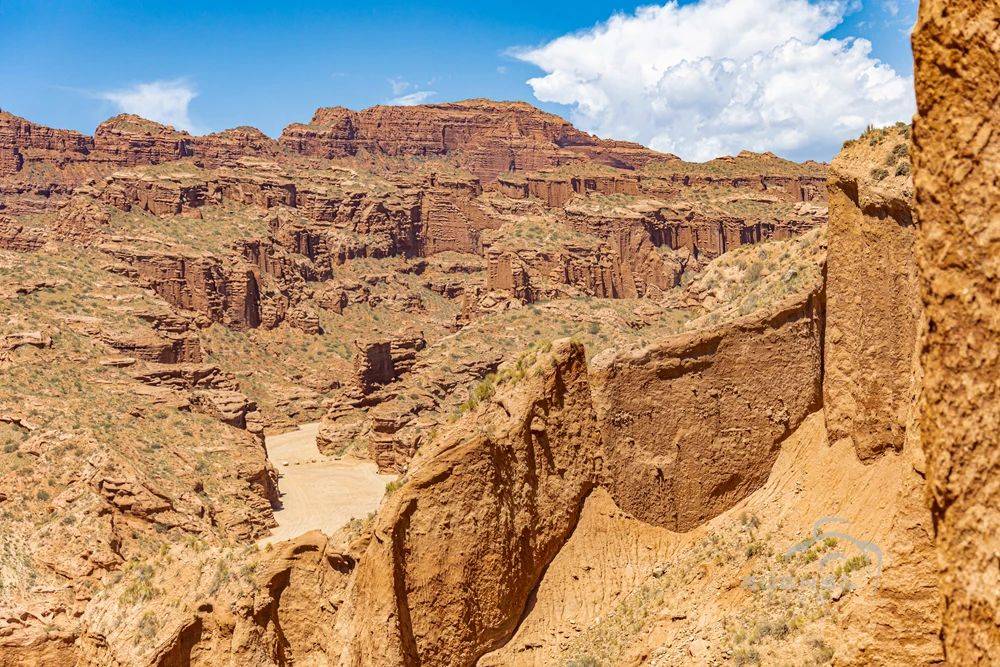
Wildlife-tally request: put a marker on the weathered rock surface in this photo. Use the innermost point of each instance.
(956, 162)
(16, 236)
(873, 296)
(42, 164)
(486, 546)
(504, 497)
(693, 424)
(22, 140)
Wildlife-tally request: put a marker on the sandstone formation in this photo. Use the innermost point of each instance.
(505, 497)
(873, 299)
(45, 163)
(402, 274)
(956, 162)
(872, 374)
(693, 424)
(488, 138)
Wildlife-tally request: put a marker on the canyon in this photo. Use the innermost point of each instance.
(573, 401)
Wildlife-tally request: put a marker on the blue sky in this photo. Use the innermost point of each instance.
(73, 64)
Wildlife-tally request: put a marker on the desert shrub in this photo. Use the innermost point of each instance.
(902, 169)
(148, 625)
(755, 548)
(485, 388)
(879, 173)
(749, 521)
(141, 589)
(856, 563)
(822, 653)
(746, 656)
(390, 487)
(778, 629)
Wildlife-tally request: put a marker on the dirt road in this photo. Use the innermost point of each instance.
(319, 492)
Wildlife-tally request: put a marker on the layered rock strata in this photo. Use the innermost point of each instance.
(487, 138)
(506, 496)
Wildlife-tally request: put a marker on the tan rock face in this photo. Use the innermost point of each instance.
(129, 140)
(17, 237)
(503, 498)
(873, 296)
(957, 159)
(693, 424)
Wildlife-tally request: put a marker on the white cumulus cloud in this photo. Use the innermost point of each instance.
(414, 98)
(163, 101)
(719, 76)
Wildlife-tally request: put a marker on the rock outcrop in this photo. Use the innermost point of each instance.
(459, 547)
(693, 424)
(872, 373)
(873, 296)
(22, 141)
(42, 165)
(18, 237)
(626, 265)
(487, 138)
(956, 162)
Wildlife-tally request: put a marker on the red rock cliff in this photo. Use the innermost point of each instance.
(487, 137)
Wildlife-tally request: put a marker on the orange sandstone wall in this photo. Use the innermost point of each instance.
(956, 46)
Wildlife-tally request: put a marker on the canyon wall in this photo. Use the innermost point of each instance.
(487, 138)
(872, 375)
(693, 424)
(124, 140)
(873, 297)
(956, 46)
(458, 549)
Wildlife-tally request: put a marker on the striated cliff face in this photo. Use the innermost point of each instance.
(535, 514)
(624, 265)
(956, 46)
(693, 424)
(20, 138)
(487, 138)
(39, 166)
